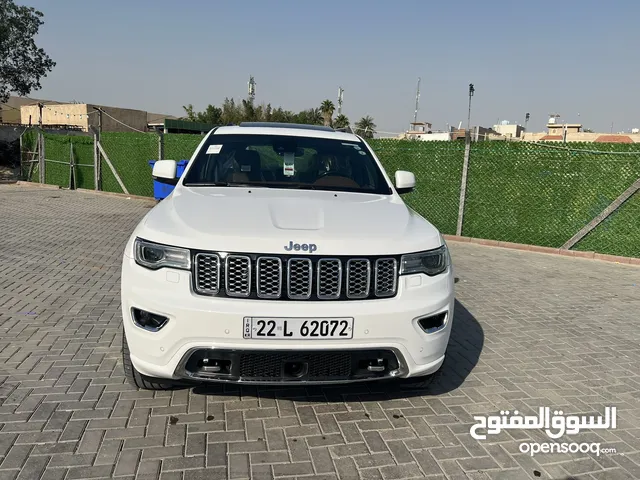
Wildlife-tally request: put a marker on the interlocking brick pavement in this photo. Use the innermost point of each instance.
(530, 330)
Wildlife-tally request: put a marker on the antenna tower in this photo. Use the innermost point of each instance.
(415, 115)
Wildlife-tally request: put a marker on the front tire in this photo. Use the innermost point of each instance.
(135, 378)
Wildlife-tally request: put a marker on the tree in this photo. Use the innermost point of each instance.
(327, 108)
(312, 116)
(212, 115)
(341, 121)
(365, 127)
(22, 63)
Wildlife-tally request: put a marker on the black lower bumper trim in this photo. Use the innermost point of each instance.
(286, 366)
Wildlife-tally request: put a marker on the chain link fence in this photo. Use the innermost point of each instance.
(531, 193)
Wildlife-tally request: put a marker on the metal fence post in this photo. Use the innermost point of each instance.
(97, 173)
(72, 168)
(160, 144)
(41, 157)
(463, 182)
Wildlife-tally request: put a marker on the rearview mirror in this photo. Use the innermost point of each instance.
(164, 171)
(405, 181)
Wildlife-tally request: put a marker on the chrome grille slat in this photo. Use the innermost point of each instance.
(269, 277)
(238, 275)
(385, 277)
(280, 277)
(329, 278)
(207, 273)
(358, 278)
(299, 278)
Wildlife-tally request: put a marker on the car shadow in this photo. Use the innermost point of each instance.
(465, 346)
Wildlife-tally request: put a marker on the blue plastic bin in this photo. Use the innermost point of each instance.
(162, 190)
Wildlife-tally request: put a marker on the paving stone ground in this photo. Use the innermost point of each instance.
(530, 330)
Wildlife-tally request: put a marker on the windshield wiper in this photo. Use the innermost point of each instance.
(218, 184)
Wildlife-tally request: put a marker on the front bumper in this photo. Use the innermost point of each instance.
(199, 324)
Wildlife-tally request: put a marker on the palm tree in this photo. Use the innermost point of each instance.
(341, 121)
(365, 127)
(327, 108)
(315, 116)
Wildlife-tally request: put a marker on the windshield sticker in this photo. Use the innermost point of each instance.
(361, 152)
(214, 149)
(289, 164)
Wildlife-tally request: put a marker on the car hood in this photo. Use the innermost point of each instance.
(265, 220)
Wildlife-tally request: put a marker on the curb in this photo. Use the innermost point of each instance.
(114, 194)
(547, 250)
(84, 190)
(23, 183)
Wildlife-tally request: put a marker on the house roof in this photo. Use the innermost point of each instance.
(614, 139)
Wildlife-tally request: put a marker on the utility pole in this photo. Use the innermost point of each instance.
(471, 92)
(40, 106)
(340, 94)
(526, 120)
(41, 158)
(415, 114)
(252, 89)
(99, 110)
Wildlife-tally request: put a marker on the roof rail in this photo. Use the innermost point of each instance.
(347, 129)
(286, 125)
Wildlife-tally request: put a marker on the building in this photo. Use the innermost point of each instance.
(509, 130)
(175, 125)
(83, 116)
(79, 116)
(10, 111)
(477, 133)
(554, 127)
(573, 132)
(422, 131)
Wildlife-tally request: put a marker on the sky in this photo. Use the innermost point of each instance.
(575, 58)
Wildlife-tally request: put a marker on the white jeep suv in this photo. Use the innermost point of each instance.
(284, 255)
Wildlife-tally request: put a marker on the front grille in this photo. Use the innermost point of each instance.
(269, 277)
(299, 279)
(281, 277)
(238, 276)
(207, 273)
(266, 365)
(358, 278)
(329, 278)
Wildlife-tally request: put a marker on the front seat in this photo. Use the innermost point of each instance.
(249, 167)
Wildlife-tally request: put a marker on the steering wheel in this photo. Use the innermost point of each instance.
(334, 173)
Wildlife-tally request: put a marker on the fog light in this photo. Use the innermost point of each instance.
(147, 320)
(434, 323)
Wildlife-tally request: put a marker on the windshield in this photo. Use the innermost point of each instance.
(279, 161)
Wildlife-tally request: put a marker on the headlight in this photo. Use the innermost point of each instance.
(431, 262)
(154, 255)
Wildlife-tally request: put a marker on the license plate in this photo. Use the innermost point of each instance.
(298, 328)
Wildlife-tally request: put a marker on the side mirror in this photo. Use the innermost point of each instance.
(405, 181)
(164, 171)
